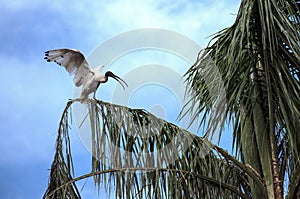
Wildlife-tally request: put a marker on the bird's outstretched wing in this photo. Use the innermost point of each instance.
(73, 61)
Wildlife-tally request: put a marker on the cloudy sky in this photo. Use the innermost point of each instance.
(34, 92)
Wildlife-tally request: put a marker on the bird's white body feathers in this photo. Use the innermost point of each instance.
(91, 83)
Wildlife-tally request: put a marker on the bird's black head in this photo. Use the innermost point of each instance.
(121, 81)
(109, 74)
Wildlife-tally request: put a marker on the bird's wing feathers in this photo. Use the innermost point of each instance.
(73, 61)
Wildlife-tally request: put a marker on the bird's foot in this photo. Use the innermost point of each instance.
(83, 100)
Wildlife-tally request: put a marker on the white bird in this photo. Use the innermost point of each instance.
(75, 63)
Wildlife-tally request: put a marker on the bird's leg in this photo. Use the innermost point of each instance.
(94, 96)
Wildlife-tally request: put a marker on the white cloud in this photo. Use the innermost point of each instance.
(85, 24)
(103, 19)
(193, 19)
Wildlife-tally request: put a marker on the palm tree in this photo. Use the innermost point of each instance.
(254, 64)
(258, 60)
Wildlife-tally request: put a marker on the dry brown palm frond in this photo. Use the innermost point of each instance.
(140, 155)
(62, 166)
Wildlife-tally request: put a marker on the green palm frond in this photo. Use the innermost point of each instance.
(257, 62)
(142, 156)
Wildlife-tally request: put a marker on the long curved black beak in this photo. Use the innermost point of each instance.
(120, 80)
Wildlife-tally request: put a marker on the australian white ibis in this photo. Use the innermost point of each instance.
(75, 63)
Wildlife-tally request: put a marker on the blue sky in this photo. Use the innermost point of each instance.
(34, 92)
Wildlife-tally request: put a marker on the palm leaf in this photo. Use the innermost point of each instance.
(62, 167)
(142, 156)
(257, 61)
